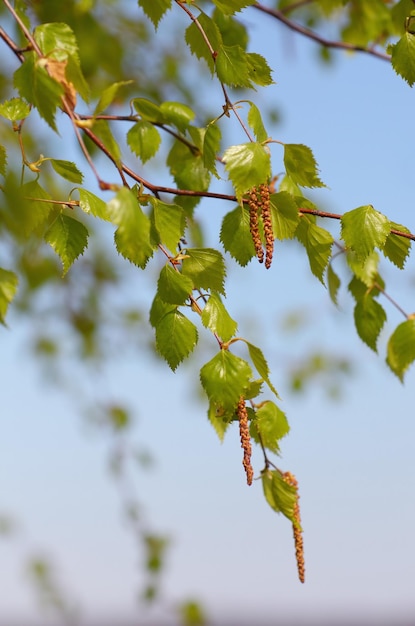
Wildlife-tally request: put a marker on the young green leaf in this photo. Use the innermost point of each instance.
(258, 69)
(155, 9)
(148, 110)
(28, 212)
(333, 283)
(36, 86)
(364, 229)
(177, 114)
(397, 248)
(230, 7)
(225, 379)
(159, 309)
(173, 287)
(219, 421)
(217, 319)
(90, 203)
(317, 242)
(132, 238)
(301, 165)
(236, 237)
(255, 122)
(285, 215)
(103, 131)
(248, 165)
(14, 109)
(403, 57)
(401, 348)
(68, 238)
(108, 95)
(176, 337)
(206, 268)
(67, 170)
(211, 146)
(197, 43)
(56, 39)
(144, 140)
(261, 365)
(8, 288)
(369, 317)
(169, 222)
(233, 67)
(366, 270)
(188, 169)
(269, 426)
(281, 496)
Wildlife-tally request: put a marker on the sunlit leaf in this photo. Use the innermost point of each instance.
(155, 9)
(301, 165)
(225, 378)
(281, 496)
(14, 109)
(269, 426)
(369, 317)
(67, 170)
(144, 140)
(236, 237)
(401, 348)
(248, 165)
(176, 337)
(173, 287)
(318, 243)
(206, 268)
(8, 288)
(68, 238)
(364, 229)
(217, 319)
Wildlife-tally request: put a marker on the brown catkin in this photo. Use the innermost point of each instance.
(254, 224)
(267, 221)
(297, 532)
(245, 439)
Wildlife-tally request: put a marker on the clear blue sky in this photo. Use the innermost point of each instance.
(353, 458)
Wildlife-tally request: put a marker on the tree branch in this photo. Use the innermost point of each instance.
(310, 34)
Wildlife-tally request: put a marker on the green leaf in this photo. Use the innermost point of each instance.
(211, 146)
(217, 319)
(144, 140)
(256, 123)
(259, 70)
(219, 420)
(67, 170)
(397, 248)
(369, 317)
(173, 287)
(225, 379)
(178, 114)
(269, 426)
(197, 43)
(132, 238)
(68, 238)
(285, 215)
(367, 270)
(159, 309)
(248, 165)
(27, 213)
(169, 222)
(91, 204)
(36, 86)
(188, 169)
(261, 365)
(8, 288)
(14, 109)
(176, 337)
(206, 268)
(333, 283)
(108, 95)
(317, 242)
(281, 496)
(103, 131)
(403, 57)
(401, 348)
(301, 165)
(233, 67)
(364, 229)
(229, 7)
(148, 110)
(56, 40)
(3, 160)
(236, 237)
(155, 9)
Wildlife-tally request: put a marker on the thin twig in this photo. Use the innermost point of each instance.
(327, 43)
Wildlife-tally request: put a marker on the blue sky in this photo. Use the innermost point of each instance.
(353, 458)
